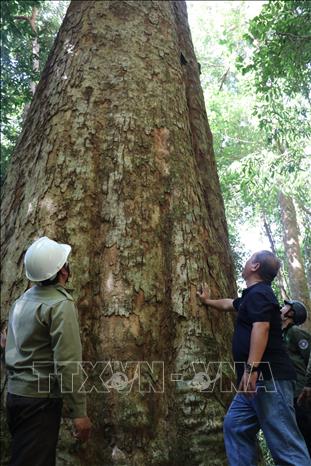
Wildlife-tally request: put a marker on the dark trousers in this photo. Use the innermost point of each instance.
(34, 426)
(303, 417)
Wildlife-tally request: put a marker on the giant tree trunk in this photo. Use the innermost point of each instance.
(296, 271)
(116, 159)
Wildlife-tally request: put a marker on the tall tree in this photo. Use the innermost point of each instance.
(296, 270)
(28, 29)
(116, 159)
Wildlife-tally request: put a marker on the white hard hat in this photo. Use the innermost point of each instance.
(44, 258)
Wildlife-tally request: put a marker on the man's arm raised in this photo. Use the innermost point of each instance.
(225, 304)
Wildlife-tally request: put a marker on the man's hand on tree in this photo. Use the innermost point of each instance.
(305, 397)
(82, 428)
(204, 292)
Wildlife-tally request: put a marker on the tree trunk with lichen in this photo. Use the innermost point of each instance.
(116, 159)
(296, 272)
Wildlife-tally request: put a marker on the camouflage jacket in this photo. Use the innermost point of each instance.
(298, 344)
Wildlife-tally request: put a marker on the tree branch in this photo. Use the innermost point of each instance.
(26, 18)
(289, 34)
(223, 79)
(31, 19)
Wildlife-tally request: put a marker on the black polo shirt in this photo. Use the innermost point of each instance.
(258, 303)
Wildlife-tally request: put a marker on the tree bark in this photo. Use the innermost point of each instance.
(296, 272)
(116, 159)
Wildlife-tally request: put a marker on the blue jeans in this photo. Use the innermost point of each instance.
(272, 411)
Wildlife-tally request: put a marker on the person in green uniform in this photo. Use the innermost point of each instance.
(298, 343)
(43, 357)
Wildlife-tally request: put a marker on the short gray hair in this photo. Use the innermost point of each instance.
(269, 265)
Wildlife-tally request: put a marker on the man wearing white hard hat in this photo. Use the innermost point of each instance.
(42, 355)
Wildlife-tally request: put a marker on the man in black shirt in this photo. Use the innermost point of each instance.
(265, 373)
